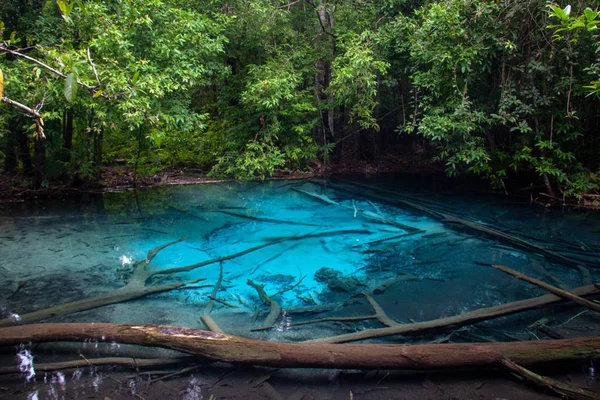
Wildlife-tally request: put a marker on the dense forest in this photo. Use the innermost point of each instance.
(504, 89)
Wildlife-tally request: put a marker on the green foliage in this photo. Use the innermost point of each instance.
(354, 82)
(588, 20)
(249, 87)
(259, 160)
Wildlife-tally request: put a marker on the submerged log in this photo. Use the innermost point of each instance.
(559, 292)
(470, 225)
(139, 286)
(564, 390)
(222, 347)
(468, 318)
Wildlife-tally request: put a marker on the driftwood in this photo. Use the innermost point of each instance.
(205, 317)
(379, 315)
(559, 292)
(561, 389)
(244, 216)
(140, 283)
(468, 318)
(385, 285)
(222, 347)
(473, 226)
(274, 307)
(365, 213)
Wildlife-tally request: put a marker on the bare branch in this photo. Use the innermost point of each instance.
(89, 57)
(22, 107)
(45, 66)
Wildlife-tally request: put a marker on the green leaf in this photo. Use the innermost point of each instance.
(63, 7)
(70, 88)
(135, 77)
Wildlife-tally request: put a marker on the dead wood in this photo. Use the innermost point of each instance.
(468, 318)
(205, 317)
(386, 239)
(274, 307)
(365, 213)
(116, 296)
(245, 216)
(473, 226)
(559, 292)
(123, 361)
(379, 315)
(318, 320)
(562, 389)
(138, 284)
(227, 348)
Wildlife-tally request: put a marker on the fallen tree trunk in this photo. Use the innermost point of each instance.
(120, 295)
(559, 292)
(468, 318)
(222, 347)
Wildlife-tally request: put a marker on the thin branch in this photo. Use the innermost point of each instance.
(34, 113)
(45, 66)
(23, 107)
(89, 57)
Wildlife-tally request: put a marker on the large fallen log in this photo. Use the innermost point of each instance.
(222, 347)
(468, 318)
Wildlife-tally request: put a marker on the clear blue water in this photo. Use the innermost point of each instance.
(56, 252)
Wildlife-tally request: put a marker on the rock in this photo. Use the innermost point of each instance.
(325, 274)
(347, 285)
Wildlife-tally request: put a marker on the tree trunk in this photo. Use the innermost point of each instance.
(39, 151)
(24, 154)
(10, 153)
(68, 132)
(228, 348)
(98, 152)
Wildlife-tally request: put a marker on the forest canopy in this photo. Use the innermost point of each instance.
(502, 89)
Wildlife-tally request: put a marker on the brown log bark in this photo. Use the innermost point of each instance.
(562, 389)
(222, 347)
(468, 318)
(118, 296)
